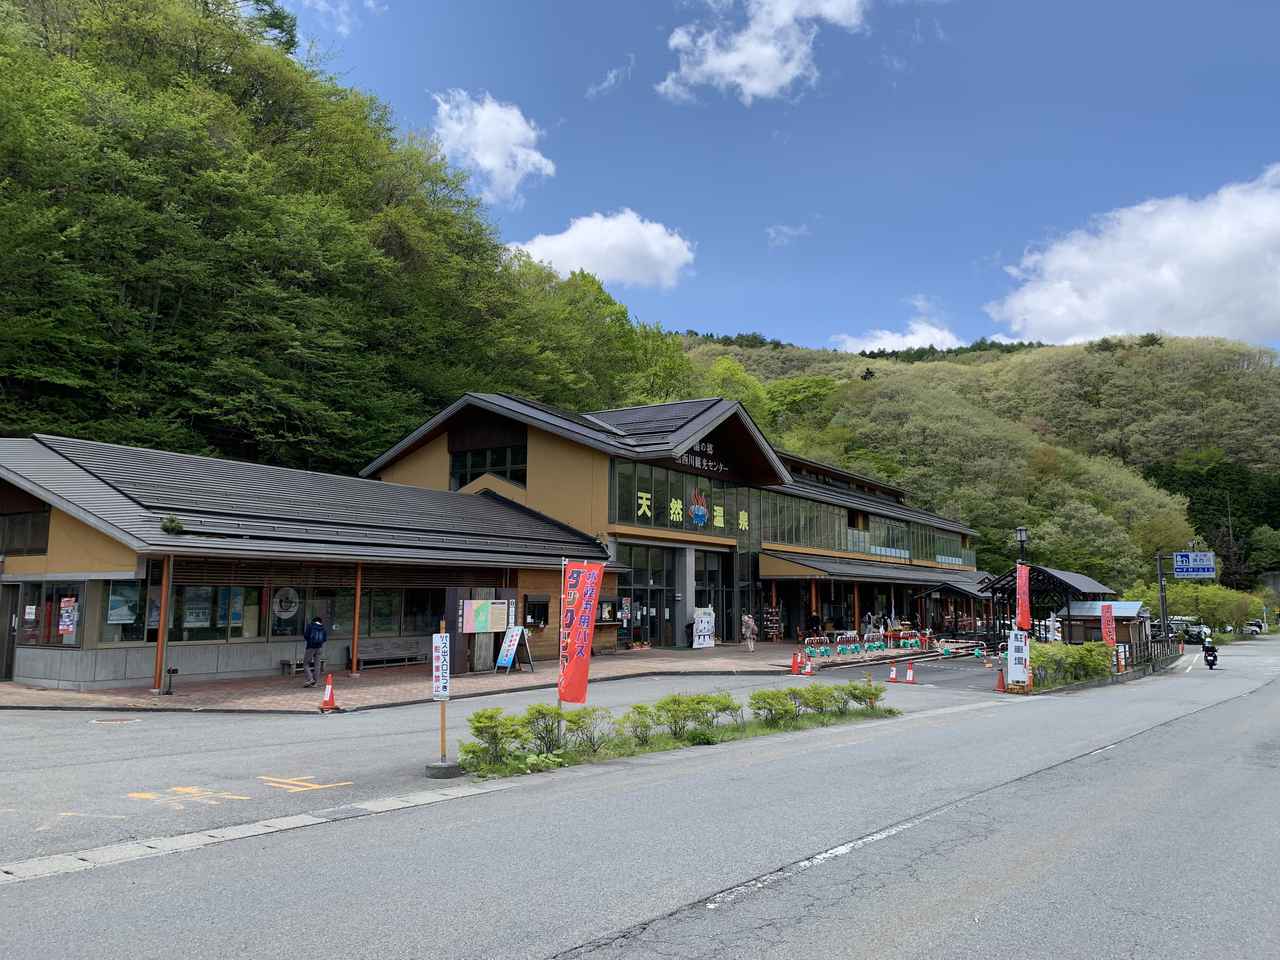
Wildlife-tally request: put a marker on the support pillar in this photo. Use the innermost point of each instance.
(857, 610)
(813, 597)
(162, 628)
(355, 622)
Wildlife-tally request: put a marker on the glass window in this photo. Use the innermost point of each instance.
(644, 495)
(423, 610)
(660, 502)
(51, 613)
(124, 604)
(380, 609)
(335, 606)
(626, 472)
(287, 611)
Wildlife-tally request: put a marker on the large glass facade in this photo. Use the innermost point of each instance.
(713, 585)
(648, 590)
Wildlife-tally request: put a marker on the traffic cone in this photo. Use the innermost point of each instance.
(911, 672)
(1000, 687)
(808, 667)
(795, 663)
(328, 703)
(893, 673)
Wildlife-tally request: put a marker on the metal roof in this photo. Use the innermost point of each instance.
(868, 504)
(1126, 609)
(1077, 582)
(841, 569)
(229, 508)
(788, 458)
(652, 432)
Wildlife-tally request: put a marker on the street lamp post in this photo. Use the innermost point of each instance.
(1021, 534)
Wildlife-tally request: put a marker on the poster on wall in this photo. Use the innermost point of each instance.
(230, 606)
(484, 616)
(285, 603)
(122, 602)
(197, 607)
(579, 597)
(704, 627)
(1019, 656)
(68, 616)
(29, 613)
(153, 613)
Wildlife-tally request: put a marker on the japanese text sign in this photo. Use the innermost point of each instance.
(1019, 656)
(1024, 597)
(1109, 624)
(440, 666)
(579, 596)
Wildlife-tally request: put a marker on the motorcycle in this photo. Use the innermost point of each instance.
(1210, 656)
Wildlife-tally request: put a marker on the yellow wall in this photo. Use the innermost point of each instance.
(545, 642)
(569, 482)
(428, 466)
(75, 547)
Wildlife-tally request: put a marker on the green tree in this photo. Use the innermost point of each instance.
(729, 379)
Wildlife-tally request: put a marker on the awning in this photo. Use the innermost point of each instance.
(969, 591)
(798, 566)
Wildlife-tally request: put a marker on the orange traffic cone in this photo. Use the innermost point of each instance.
(911, 672)
(808, 667)
(1000, 687)
(893, 673)
(328, 703)
(795, 663)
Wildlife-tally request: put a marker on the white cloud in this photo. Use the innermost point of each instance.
(780, 234)
(373, 6)
(763, 57)
(1207, 266)
(619, 247)
(611, 79)
(337, 14)
(493, 139)
(927, 328)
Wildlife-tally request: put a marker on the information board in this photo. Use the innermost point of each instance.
(704, 627)
(440, 666)
(1019, 656)
(1195, 565)
(484, 616)
(512, 641)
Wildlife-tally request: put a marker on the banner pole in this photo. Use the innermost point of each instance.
(444, 748)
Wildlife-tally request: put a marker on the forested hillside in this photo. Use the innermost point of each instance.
(1084, 444)
(210, 246)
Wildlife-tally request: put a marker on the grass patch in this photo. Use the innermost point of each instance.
(546, 737)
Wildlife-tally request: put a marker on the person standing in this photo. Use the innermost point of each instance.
(749, 632)
(315, 635)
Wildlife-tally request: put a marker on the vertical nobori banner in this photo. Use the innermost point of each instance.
(579, 596)
(1024, 597)
(1109, 624)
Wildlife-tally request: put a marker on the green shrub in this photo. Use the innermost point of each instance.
(1056, 664)
(588, 727)
(701, 736)
(816, 698)
(772, 707)
(710, 707)
(544, 724)
(865, 693)
(538, 762)
(675, 712)
(497, 735)
(843, 697)
(638, 724)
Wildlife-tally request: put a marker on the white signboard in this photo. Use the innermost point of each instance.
(704, 627)
(1019, 656)
(1194, 565)
(440, 666)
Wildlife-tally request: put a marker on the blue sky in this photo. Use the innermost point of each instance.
(861, 172)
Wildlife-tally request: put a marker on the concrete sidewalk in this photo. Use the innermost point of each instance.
(391, 686)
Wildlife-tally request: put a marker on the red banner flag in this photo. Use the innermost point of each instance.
(1109, 624)
(579, 594)
(1024, 597)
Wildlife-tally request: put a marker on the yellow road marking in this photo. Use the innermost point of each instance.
(176, 797)
(298, 784)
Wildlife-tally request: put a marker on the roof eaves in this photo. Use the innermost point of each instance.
(706, 421)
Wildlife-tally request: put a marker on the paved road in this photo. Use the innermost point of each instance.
(1053, 826)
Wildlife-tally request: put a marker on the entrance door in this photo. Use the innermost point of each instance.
(8, 629)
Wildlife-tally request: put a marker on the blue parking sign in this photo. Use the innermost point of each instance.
(1194, 565)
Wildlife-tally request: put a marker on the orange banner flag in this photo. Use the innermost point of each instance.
(1109, 624)
(579, 596)
(1024, 597)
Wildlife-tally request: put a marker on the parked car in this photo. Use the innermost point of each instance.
(1254, 627)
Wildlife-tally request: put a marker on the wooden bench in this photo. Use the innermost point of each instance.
(289, 668)
(386, 658)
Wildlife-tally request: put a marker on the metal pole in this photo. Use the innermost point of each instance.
(162, 628)
(1164, 603)
(355, 624)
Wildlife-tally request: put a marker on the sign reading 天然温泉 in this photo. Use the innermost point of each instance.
(704, 627)
(1195, 565)
(1019, 656)
(440, 666)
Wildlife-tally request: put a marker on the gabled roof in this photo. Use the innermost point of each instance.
(839, 568)
(653, 432)
(1086, 609)
(234, 509)
(1077, 585)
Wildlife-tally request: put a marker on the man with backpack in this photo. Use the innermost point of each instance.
(315, 635)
